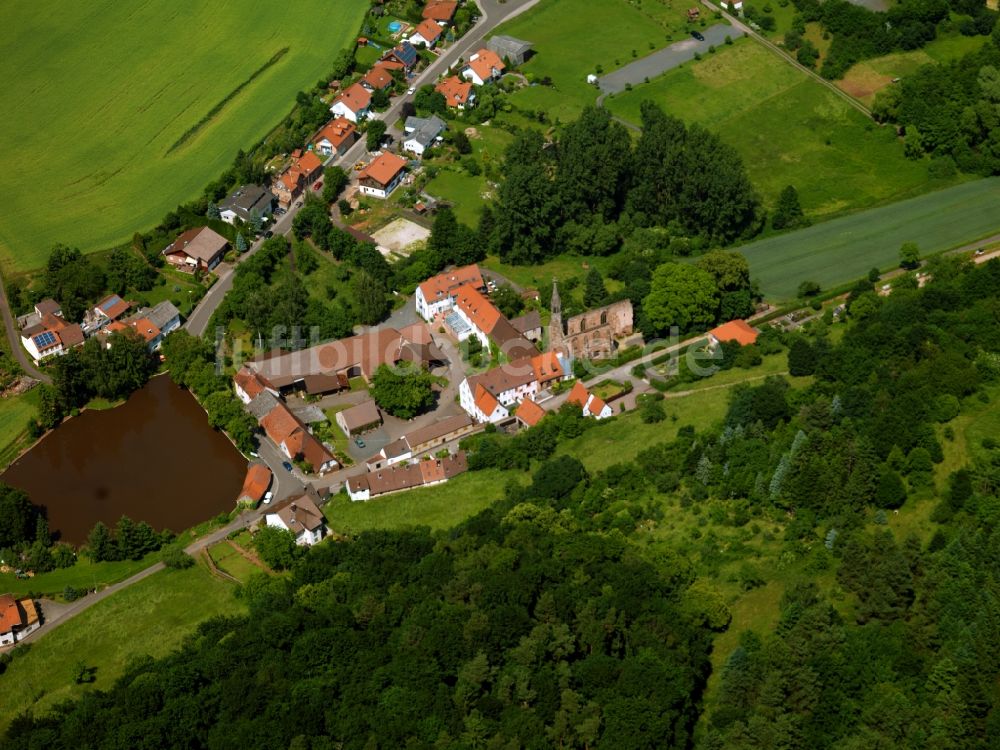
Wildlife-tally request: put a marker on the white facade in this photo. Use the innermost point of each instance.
(383, 192)
(359, 494)
(340, 109)
(304, 537)
(429, 310)
(474, 329)
(467, 401)
(416, 38)
(29, 345)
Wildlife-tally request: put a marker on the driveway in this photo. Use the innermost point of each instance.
(665, 59)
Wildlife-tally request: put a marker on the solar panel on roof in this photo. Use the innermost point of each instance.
(110, 302)
(43, 340)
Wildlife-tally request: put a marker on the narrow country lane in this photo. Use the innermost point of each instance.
(14, 339)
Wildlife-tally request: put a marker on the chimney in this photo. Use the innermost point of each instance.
(294, 507)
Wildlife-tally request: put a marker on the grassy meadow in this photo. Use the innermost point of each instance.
(572, 37)
(15, 413)
(788, 129)
(845, 248)
(117, 112)
(150, 618)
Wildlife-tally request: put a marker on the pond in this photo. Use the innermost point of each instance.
(154, 459)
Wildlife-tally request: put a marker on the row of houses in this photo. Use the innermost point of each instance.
(46, 333)
(422, 440)
(404, 476)
(494, 395)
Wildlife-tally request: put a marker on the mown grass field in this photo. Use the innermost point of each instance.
(845, 248)
(572, 37)
(789, 130)
(15, 413)
(152, 617)
(100, 94)
(864, 80)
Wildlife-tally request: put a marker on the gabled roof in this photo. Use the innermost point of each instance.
(485, 401)
(249, 382)
(378, 78)
(735, 330)
(112, 306)
(483, 313)
(200, 243)
(280, 424)
(48, 306)
(440, 10)
(11, 615)
(578, 394)
(71, 335)
(505, 378)
(404, 476)
(438, 287)
(529, 412)
(355, 97)
(424, 130)
(162, 313)
(596, 405)
(547, 367)
(336, 132)
(405, 52)
(298, 514)
(144, 327)
(361, 415)
(456, 91)
(437, 430)
(257, 481)
(303, 167)
(428, 30)
(530, 321)
(246, 199)
(384, 169)
(485, 62)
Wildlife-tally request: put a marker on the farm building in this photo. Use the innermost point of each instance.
(515, 51)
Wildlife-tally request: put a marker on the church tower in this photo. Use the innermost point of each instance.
(555, 322)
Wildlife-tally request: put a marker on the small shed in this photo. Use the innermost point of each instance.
(361, 418)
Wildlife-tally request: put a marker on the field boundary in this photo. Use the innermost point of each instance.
(194, 129)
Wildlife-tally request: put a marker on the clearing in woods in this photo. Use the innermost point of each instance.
(116, 112)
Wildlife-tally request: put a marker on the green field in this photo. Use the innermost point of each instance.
(100, 95)
(572, 37)
(15, 413)
(789, 129)
(152, 617)
(844, 249)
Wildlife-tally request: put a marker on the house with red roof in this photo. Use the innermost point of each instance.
(354, 103)
(294, 440)
(437, 294)
(591, 405)
(51, 336)
(457, 93)
(304, 170)
(336, 137)
(528, 413)
(484, 66)
(440, 11)
(18, 618)
(735, 330)
(495, 394)
(382, 176)
(257, 480)
(378, 78)
(427, 33)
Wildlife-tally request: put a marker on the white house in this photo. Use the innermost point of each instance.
(483, 67)
(18, 618)
(427, 33)
(245, 203)
(422, 133)
(733, 6)
(480, 404)
(301, 517)
(590, 405)
(382, 176)
(354, 103)
(436, 295)
(51, 337)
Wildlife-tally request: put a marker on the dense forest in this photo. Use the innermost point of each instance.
(950, 111)
(545, 621)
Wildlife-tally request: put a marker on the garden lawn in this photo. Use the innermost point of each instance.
(81, 576)
(152, 617)
(99, 96)
(843, 249)
(15, 413)
(572, 37)
(789, 130)
(230, 561)
(467, 192)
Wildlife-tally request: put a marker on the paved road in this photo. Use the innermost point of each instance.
(14, 337)
(663, 60)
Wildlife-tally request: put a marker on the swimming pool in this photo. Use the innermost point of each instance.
(395, 26)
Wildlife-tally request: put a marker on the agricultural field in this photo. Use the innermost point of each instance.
(789, 130)
(864, 80)
(126, 127)
(845, 248)
(150, 618)
(572, 38)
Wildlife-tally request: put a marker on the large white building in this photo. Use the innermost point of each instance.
(495, 395)
(437, 295)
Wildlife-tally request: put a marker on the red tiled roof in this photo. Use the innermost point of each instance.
(547, 367)
(596, 406)
(437, 287)
(578, 395)
(145, 328)
(529, 412)
(356, 97)
(456, 91)
(485, 401)
(10, 614)
(112, 306)
(440, 10)
(280, 424)
(480, 310)
(735, 330)
(486, 61)
(336, 132)
(378, 78)
(428, 30)
(256, 483)
(384, 169)
(249, 382)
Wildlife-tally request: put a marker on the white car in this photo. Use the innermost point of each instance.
(267, 497)
(411, 91)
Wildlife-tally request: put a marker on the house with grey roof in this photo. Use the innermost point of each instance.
(515, 51)
(245, 202)
(422, 133)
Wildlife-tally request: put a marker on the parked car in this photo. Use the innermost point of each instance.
(268, 234)
(359, 442)
(698, 35)
(318, 185)
(268, 496)
(411, 91)
(288, 466)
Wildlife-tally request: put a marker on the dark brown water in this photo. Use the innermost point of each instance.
(154, 459)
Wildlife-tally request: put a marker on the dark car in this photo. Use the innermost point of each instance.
(697, 35)
(288, 466)
(268, 234)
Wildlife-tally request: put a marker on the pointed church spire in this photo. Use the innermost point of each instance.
(555, 322)
(556, 305)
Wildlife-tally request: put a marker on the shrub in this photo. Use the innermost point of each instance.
(177, 559)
